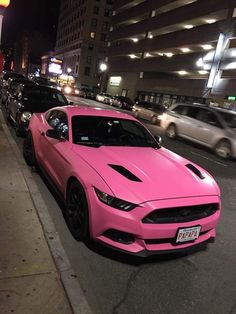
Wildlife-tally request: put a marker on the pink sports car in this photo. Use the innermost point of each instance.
(120, 186)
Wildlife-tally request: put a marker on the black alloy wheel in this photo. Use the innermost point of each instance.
(223, 149)
(29, 151)
(171, 131)
(76, 213)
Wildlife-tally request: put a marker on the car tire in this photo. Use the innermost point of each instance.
(76, 211)
(18, 129)
(223, 149)
(29, 151)
(154, 120)
(171, 131)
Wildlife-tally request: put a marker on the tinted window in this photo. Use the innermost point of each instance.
(98, 131)
(192, 112)
(230, 119)
(178, 109)
(34, 95)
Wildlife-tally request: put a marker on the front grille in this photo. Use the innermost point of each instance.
(180, 214)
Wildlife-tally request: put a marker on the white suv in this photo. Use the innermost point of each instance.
(209, 126)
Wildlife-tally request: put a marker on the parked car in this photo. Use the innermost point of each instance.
(119, 185)
(122, 102)
(43, 81)
(7, 75)
(29, 99)
(148, 111)
(87, 93)
(103, 97)
(209, 126)
(10, 88)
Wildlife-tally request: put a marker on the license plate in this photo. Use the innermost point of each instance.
(188, 234)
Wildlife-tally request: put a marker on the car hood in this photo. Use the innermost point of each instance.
(155, 173)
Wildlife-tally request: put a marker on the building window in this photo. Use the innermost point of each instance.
(95, 10)
(92, 35)
(124, 92)
(94, 22)
(107, 12)
(89, 59)
(87, 71)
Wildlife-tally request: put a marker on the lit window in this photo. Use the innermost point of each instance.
(92, 35)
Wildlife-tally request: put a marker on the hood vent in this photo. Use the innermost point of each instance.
(124, 172)
(195, 170)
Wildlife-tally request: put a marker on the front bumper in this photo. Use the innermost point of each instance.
(148, 238)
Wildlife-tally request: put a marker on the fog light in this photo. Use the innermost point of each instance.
(119, 236)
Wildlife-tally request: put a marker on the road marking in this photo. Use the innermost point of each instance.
(217, 162)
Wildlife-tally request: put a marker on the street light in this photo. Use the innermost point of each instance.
(69, 70)
(103, 68)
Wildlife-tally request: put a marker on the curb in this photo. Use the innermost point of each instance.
(72, 288)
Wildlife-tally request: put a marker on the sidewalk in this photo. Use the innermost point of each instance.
(30, 283)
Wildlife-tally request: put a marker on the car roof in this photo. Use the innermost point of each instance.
(206, 106)
(94, 111)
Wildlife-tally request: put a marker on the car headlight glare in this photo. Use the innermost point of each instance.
(25, 117)
(76, 91)
(114, 202)
(68, 89)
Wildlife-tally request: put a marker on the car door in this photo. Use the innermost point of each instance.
(208, 126)
(55, 153)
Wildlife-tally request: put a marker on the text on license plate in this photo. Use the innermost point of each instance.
(188, 234)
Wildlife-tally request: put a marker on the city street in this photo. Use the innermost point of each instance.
(201, 282)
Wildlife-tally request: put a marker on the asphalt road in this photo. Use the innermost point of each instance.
(202, 282)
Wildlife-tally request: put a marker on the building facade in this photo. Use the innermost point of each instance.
(82, 38)
(173, 50)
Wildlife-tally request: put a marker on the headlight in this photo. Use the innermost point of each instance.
(59, 88)
(25, 117)
(114, 202)
(76, 91)
(68, 90)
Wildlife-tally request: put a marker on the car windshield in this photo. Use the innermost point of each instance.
(97, 131)
(35, 96)
(229, 118)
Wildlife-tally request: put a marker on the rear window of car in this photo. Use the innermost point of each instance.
(39, 95)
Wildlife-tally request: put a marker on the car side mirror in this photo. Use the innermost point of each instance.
(158, 138)
(55, 134)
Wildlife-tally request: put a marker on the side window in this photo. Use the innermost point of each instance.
(208, 117)
(192, 112)
(58, 120)
(178, 109)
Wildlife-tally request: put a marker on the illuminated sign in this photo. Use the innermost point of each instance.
(55, 66)
(115, 80)
(231, 97)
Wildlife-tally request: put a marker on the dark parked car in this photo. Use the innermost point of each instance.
(122, 102)
(148, 111)
(8, 75)
(29, 99)
(9, 90)
(87, 93)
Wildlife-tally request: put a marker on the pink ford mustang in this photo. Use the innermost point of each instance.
(120, 186)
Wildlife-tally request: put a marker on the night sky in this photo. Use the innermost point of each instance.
(38, 15)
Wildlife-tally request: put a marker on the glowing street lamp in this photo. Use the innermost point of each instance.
(3, 5)
(103, 68)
